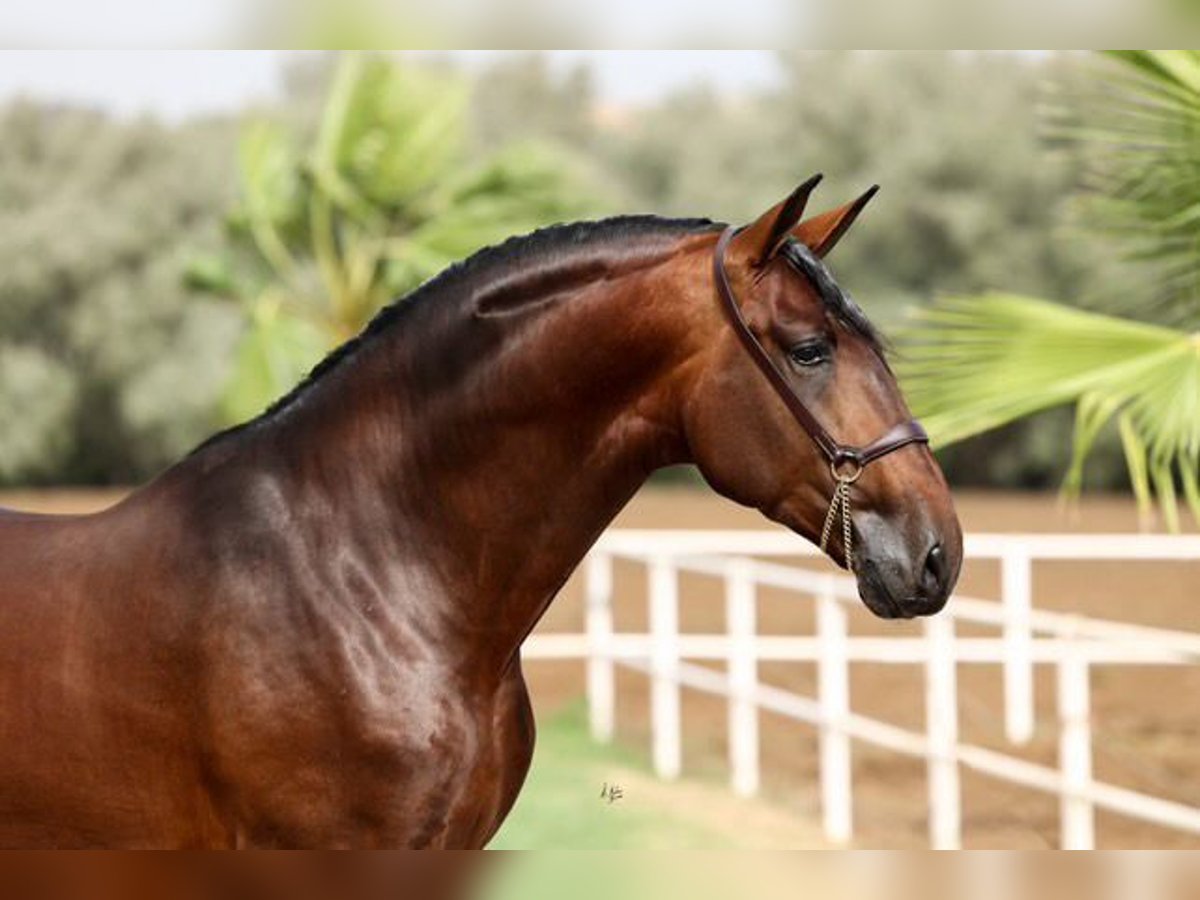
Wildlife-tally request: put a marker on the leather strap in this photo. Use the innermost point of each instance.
(837, 454)
(910, 432)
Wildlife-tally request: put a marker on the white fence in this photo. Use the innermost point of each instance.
(1074, 645)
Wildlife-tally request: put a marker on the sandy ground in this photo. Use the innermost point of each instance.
(1146, 720)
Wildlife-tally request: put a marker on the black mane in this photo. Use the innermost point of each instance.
(836, 300)
(459, 283)
(461, 280)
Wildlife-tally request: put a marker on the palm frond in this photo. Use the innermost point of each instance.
(278, 347)
(1137, 129)
(390, 133)
(272, 194)
(975, 363)
(383, 198)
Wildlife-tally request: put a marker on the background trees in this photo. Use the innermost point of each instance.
(108, 366)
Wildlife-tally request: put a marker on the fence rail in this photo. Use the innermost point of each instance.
(1074, 645)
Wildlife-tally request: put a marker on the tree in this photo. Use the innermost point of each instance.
(384, 197)
(977, 362)
(108, 367)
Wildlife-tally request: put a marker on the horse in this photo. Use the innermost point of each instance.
(307, 633)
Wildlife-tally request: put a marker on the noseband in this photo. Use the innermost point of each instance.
(846, 463)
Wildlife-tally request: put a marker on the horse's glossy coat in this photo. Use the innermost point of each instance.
(307, 633)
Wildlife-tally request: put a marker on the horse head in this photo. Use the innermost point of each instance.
(796, 412)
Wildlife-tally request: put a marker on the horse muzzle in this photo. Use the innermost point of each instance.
(903, 576)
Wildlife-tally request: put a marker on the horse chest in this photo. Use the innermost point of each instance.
(460, 762)
(369, 742)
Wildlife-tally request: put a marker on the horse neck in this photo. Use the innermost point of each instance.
(496, 482)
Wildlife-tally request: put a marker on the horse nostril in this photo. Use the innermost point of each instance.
(933, 578)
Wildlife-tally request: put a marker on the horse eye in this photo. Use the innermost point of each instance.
(810, 353)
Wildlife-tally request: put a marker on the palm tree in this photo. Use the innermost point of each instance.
(975, 363)
(383, 198)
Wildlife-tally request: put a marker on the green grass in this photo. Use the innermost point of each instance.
(561, 807)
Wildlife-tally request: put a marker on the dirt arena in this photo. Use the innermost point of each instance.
(1146, 720)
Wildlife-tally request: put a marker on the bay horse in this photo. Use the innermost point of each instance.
(307, 633)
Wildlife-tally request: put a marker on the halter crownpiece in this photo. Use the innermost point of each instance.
(846, 463)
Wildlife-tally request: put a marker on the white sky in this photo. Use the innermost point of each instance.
(183, 81)
(170, 83)
(198, 23)
(178, 83)
(117, 23)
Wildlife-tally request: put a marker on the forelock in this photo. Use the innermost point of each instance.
(837, 301)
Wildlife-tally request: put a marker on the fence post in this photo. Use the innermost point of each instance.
(601, 678)
(1016, 591)
(742, 623)
(941, 724)
(833, 686)
(664, 696)
(1075, 750)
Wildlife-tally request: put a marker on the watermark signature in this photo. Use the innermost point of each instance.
(611, 793)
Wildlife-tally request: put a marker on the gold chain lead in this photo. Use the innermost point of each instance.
(839, 504)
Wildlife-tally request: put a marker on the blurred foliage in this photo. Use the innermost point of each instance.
(107, 366)
(520, 95)
(382, 197)
(984, 361)
(370, 176)
(1133, 119)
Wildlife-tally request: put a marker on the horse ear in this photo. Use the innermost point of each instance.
(821, 233)
(762, 239)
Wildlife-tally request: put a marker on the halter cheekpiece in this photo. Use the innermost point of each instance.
(846, 463)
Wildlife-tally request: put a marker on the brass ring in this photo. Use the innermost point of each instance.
(835, 469)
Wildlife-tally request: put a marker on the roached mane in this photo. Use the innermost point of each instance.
(455, 286)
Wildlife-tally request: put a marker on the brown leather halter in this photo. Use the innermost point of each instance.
(846, 463)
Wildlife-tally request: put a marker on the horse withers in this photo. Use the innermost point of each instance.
(307, 633)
